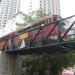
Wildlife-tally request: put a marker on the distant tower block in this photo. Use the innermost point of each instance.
(50, 7)
(8, 9)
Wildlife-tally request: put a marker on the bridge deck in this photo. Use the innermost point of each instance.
(64, 47)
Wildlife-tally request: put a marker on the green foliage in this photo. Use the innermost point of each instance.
(29, 19)
(20, 24)
(39, 14)
(54, 63)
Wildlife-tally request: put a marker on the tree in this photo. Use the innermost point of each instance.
(29, 19)
(46, 62)
(39, 14)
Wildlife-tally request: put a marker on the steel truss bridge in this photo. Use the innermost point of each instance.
(56, 45)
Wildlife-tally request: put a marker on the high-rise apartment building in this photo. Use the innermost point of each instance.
(50, 7)
(8, 8)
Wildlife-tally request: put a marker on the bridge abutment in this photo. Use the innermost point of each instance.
(10, 64)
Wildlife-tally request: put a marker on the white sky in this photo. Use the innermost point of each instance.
(67, 6)
(25, 5)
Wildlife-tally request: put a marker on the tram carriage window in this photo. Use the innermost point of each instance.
(20, 31)
(49, 20)
(24, 30)
(54, 19)
(28, 27)
(35, 25)
(43, 21)
(46, 21)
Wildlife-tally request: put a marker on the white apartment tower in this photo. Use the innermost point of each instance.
(50, 7)
(8, 9)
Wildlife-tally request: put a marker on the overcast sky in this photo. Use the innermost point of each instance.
(25, 5)
(67, 6)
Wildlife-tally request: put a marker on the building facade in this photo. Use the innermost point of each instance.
(50, 7)
(8, 9)
(11, 25)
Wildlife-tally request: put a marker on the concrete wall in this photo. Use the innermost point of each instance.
(10, 64)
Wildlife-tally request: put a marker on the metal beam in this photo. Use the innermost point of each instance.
(50, 32)
(5, 44)
(36, 35)
(67, 30)
(69, 47)
(47, 24)
(54, 48)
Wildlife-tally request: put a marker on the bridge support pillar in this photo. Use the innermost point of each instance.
(10, 64)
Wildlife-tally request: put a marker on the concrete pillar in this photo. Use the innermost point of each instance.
(10, 64)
